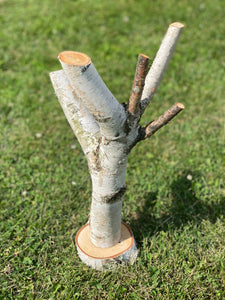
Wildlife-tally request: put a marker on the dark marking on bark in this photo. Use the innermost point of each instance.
(117, 138)
(125, 106)
(131, 121)
(102, 119)
(114, 197)
(140, 137)
(84, 68)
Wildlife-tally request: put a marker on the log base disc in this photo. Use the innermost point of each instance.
(106, 258)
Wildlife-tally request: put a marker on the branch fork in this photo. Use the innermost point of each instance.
(107, 131)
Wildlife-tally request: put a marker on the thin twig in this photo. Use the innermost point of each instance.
(152, 127)
(138, 84)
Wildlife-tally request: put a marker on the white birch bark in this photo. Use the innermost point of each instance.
(108, 187)
(160, 62)
(107, 132)
(81, 121)
(109, 263)
(106, 151)
(95, 95)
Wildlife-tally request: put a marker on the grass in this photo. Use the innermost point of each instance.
(175, 200)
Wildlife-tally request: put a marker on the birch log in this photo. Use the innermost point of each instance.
(108, 174)
(107, 131)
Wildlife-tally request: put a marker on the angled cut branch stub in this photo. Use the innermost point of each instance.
(154, 126)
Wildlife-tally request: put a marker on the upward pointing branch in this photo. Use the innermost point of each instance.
(138, 85)
(93, 92)
(160, 63)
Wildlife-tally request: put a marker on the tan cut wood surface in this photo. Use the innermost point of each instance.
(74, 58)
(84, 243)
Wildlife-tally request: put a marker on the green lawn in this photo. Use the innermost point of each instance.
(175, 199)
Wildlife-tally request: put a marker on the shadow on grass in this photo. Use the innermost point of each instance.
(184, 207)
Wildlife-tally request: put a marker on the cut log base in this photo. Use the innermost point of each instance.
(125, 252)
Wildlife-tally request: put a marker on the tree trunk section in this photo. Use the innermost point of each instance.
(107, 131)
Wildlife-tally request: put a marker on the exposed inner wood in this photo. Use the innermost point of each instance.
(84, 243)
(180, 105)
(144, 55)
(177, 24)
(74, 58)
